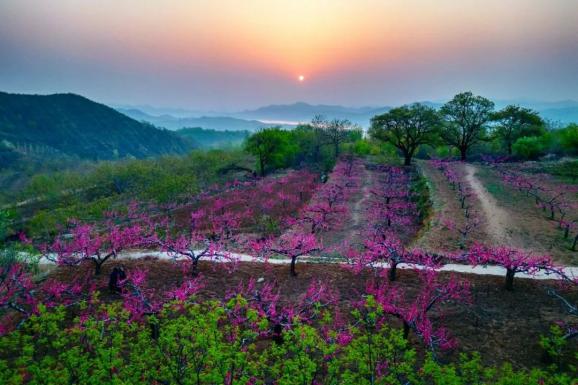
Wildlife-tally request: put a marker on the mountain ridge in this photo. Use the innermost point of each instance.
(563, 111)
(173, 123)
(73, 125)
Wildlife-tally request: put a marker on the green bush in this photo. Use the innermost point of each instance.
(569, 139)
(421, 195)
(361, 147)
(529, 147)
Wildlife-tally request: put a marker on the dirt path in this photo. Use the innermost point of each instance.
(358, 207)
(352, 227)
(435, 236)
(497, 220)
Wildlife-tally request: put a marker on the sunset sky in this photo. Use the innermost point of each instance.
(236, 54)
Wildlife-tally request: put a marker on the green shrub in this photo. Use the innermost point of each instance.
(529, 147)
(421, 195)
(569, 139)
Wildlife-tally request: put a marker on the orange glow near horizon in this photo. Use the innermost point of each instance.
(285, 36)
(346, 49)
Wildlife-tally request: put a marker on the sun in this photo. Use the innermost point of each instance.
(301, 78)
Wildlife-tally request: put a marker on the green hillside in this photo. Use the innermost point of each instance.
(71, 125)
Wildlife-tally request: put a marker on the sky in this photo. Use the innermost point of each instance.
(227, 55)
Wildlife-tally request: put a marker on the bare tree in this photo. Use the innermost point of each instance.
(334, 132)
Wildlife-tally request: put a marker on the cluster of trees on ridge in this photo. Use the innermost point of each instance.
(317, 143)
(465, 123)
(469, 120)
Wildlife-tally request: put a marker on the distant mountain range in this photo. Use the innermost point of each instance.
(71, 125)
(251, 120)
(304, 112)
(563, 111)
(220, 123)
(288, 115)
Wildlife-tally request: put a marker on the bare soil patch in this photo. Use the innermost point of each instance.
(496, 219)
(435, 236)
(531, 226)
(352, 225)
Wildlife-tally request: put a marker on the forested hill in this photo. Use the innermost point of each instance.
(213, 138)
(70, 124)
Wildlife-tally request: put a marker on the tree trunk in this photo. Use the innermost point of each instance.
(155, 330)
(336, 150)
(195, 267)
(509, 148)
(370, 357)
(463, 153)
(510, 279)
(97, 267)
(405, 330)
(575, 242)
(392, 274)
(293, 261)
(406, 159)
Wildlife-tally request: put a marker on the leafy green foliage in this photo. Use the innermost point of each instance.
(272, 147)
(466, 117)
(207, 138)
(87, 195)
(421, 195)
(569, 139)
(529, 147)
(8, 156)
(407, 128)
(515, 122)
(557, 347)
(199, 343)
(317, 145)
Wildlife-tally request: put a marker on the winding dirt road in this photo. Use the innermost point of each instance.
(497, 220)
